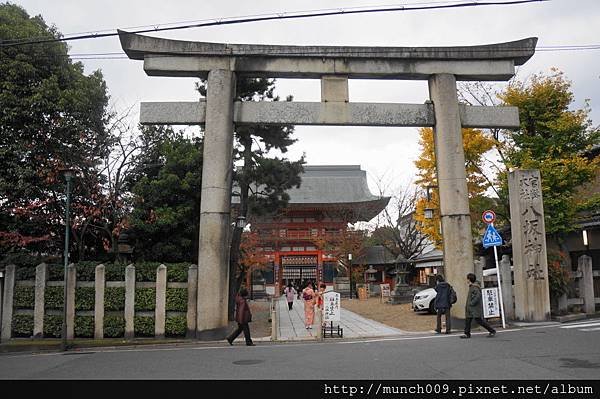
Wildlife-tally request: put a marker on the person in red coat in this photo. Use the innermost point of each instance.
(243, 316)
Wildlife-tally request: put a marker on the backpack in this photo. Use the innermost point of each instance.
(453, 297)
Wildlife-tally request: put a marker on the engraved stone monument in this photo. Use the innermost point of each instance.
(532, 295)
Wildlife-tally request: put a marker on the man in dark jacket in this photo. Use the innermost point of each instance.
(474, 308)
(442, 303)
(243, 316)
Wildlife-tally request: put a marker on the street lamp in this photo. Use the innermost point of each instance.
(428, 212)
(350, 267)
(68, 174)
(585, 241)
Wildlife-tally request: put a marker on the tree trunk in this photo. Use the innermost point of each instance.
(236, 239)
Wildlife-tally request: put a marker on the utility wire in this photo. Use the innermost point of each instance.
(278, 16)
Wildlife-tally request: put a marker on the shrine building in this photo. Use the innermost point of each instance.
(317, 215)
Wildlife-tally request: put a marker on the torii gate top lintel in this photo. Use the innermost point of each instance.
(479, 62)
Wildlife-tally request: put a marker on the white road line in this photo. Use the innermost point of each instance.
(578, 325)
(590, 329)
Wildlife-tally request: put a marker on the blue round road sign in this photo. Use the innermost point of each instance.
(488, 216)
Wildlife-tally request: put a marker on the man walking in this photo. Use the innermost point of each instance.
(443, 303)
(474, 308)
(243, 316)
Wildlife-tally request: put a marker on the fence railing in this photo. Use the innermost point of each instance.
(180, 321)
(585, 291)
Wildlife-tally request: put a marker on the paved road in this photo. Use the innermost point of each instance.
(559, 351)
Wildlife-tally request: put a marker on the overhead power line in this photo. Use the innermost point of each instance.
(270, 17)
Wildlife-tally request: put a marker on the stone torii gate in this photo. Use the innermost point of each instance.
(223, 63)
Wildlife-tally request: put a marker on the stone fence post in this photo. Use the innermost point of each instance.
(161, 297)
(7, 302)
(99, 284)
(38, 307)
(71, 284)
(274, 321)
(192, 310)
(129, 301)
(507, 288)
(586, 284)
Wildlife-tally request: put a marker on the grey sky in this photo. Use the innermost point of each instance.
(384, 153)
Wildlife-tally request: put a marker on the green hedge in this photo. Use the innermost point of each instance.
(53, 297)
(86, 271)
(114, 298)
(22, 325)
(177, 299)
(53, 326)
(145, 299)
(175, 326)
(143, 326)
(24, 297)
(85, 298)
(114, 326)
(84, 326)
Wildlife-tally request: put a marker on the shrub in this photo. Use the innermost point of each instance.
(114, 298)
(177, 272)
(175, 326)
(53, 326)
(84, 326)
(24, 297)
(22, 325)
(177, 299)
(53, 297)
(114, 326)
(143, 326)
(559, 278)
(145, 299)
(85, 298)
(115, 271)
(86, 271)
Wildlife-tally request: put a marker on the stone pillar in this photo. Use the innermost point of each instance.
(99, 285)
(274, 318)
(192, 292)
(478, 270)
(507, 288)
(7, 302)
(38, 308)
(160, 312)
(586, 284)
(452, 186)
(213, 256)
(563, 303)
(129, 301)
(71, 285)
(532, 295)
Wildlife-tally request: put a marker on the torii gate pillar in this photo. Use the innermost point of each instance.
(213, 253)
(452, 186)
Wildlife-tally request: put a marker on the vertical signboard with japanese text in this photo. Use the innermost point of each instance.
(331, 306)
(490, 300)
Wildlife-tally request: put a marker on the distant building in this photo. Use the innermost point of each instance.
(381, 267)
(329, 198)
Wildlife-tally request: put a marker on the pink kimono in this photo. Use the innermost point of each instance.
(309, 297)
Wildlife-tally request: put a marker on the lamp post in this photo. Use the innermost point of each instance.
(586, 243)
(350, 268)
(428, 212)
(68, 173)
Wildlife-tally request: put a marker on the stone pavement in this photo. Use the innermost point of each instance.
(291, 324)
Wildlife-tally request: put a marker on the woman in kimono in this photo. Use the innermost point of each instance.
(309, 297)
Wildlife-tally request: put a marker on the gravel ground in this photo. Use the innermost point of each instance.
(261, 314)
(400, 316)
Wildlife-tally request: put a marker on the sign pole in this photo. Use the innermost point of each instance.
(499, 285)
